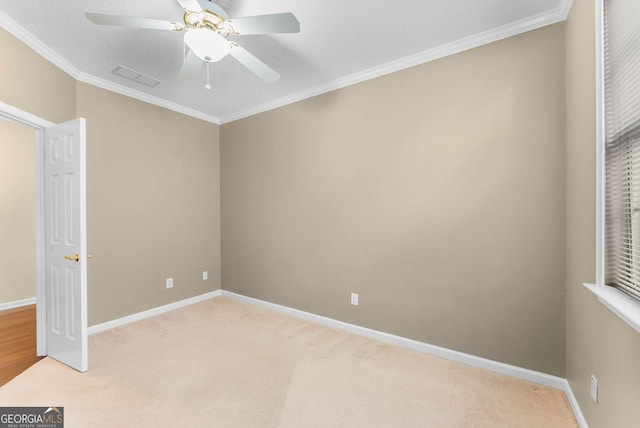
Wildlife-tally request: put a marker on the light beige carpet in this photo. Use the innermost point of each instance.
(221, 363)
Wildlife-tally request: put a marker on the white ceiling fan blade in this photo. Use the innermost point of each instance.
(132, 21)
(190, 5)
(258, 67)
(211, 6)
(191, 67)
(263, 24)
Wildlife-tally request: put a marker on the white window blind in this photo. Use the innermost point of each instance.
(622, 144)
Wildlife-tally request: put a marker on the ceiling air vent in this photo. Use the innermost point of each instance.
(136, 76)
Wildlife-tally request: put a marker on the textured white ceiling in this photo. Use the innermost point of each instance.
(339, 43)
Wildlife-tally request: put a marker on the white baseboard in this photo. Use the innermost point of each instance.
(151, 312)
(449, 354)
(17, 303)
(582, 422)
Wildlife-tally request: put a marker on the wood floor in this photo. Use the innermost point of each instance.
(17, 341)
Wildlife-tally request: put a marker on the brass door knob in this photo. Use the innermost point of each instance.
(75, 257)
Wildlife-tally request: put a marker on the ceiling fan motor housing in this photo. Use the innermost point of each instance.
(208, 19)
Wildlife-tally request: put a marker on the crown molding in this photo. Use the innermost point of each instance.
(141, 96)
(559, 14)
(53, 57)
(34, 43)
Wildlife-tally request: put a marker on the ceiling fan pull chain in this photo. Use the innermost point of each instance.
(208, 86)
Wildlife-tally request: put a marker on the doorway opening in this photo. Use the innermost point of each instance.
(18, 214)
(18, 303)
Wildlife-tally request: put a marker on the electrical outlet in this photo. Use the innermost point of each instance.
(354, 299)
(594, 389)
(205, 275)
(169, 282)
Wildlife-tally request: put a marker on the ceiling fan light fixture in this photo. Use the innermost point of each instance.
(208, 45)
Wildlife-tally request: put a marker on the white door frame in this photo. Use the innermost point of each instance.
(38, 124)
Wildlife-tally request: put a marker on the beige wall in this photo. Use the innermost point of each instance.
(153, 186)
(598, 342)
(436, 193)
(153, 204)
(31, 83)
(18, 212)
(28, 82)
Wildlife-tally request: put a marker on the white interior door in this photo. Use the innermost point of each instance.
(66, 243)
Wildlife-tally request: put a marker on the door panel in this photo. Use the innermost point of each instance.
(66, 243)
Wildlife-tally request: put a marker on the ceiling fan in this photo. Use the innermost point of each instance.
(207, 27)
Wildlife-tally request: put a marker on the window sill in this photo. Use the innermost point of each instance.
(619, 303)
